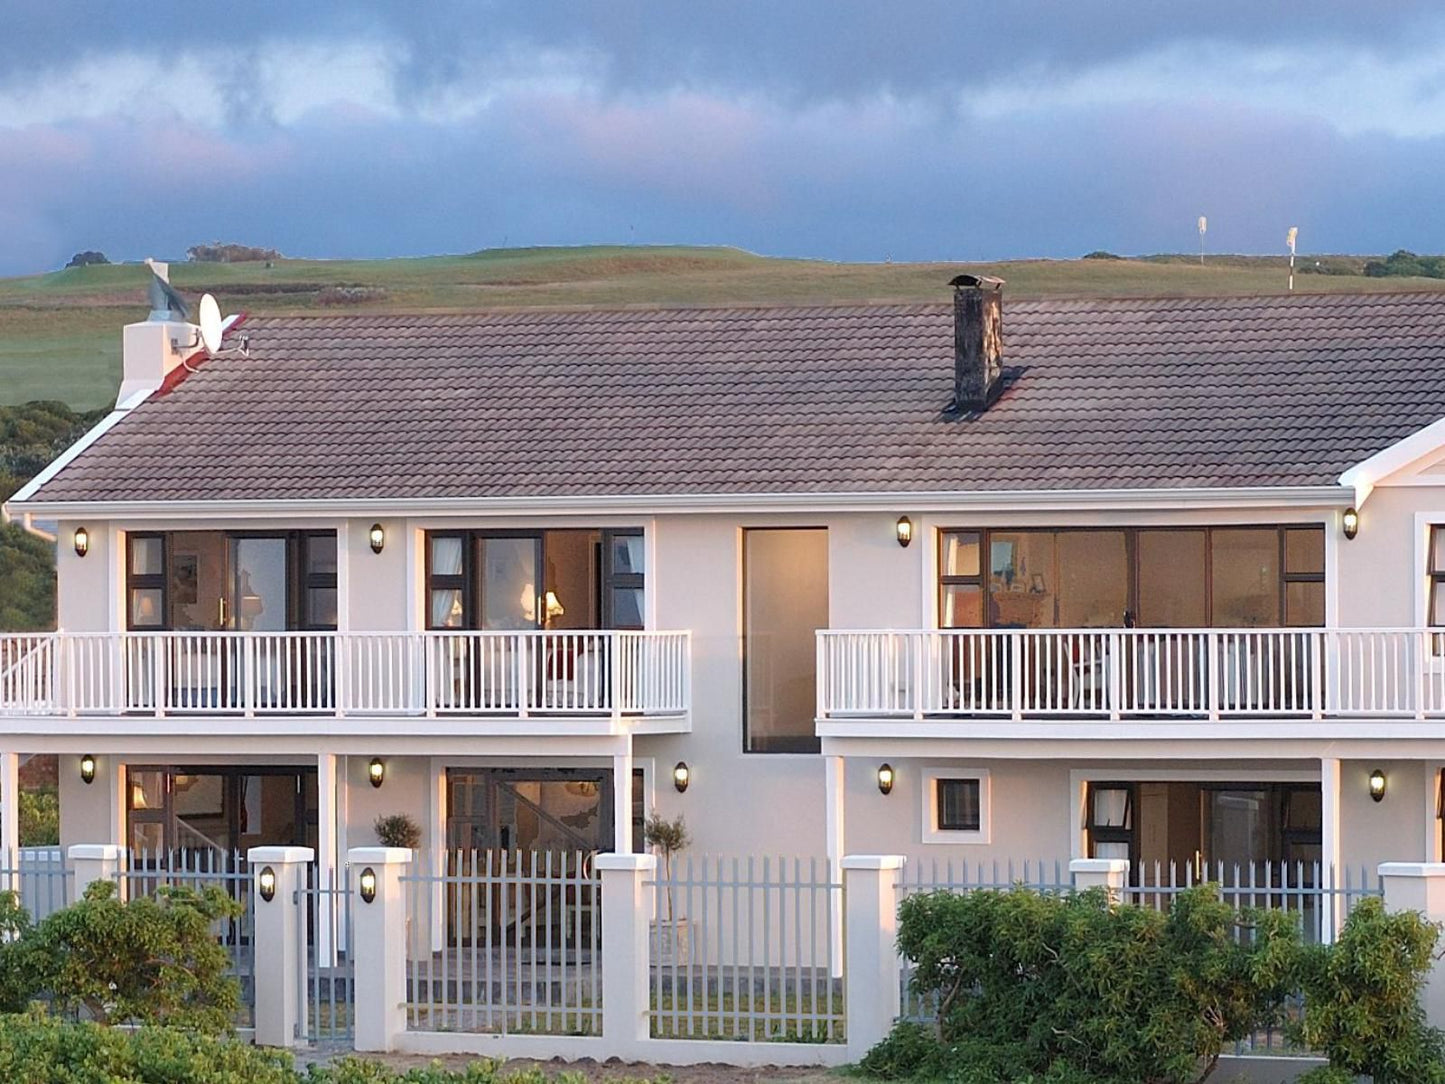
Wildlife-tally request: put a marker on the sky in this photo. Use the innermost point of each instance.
(958, 130)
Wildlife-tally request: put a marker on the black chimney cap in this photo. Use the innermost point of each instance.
(982, 282)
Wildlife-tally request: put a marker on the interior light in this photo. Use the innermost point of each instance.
(367, 885)
(1377, 785)
(376, 772)
(1351, 522)
(905, 531)
(885, 777)
(681, 776)
(378, 538)
(87, 769)
(82, 541)
(266, 884)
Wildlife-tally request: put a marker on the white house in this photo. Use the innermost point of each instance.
(1150, 578)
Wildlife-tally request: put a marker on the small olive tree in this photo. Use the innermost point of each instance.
(397, 830)
(666, 837)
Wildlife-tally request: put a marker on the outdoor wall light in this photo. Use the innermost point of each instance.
(82, 541)
(87, 769)
(266, 884)
(1351, 522)
(367, 884)
(377, 535)
(681, 776)
(905, 531)
(1377, 785)
(376, 772)
(885, 777)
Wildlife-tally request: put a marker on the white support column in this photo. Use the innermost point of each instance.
(1330, 867)
(834, 776)
(871, 985)
(280, 984)
(622, 799)
(10, 813)
(1110, 874)
(380, 945)
(1420, 887)
(114, 776)
(624, 950)
(90, 862)
(437, 852)
(327, 850)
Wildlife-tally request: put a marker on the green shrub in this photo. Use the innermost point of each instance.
(40, 817)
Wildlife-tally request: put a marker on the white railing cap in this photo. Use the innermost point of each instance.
(280, 855)
(379, 856)
(1098, 865)
(872, 861)
(1412, 869)
(646, 862)
(92, 852)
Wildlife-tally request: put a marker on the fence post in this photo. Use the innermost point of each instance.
(1110, 874)
(871, 978)
(90, 862)
(627, 916)
(1420, 887)
(281, 873)
(379, 940)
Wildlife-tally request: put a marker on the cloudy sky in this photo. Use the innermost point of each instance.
(962, 129)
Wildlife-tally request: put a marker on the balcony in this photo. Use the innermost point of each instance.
(604, 681)
(1020, 676)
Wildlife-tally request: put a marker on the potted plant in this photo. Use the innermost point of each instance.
(397, 830)
(670, 942)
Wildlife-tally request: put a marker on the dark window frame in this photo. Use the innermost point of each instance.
(1435, 578)
(613, 580)
(148, 581)
(1128, 834)
(940, 784)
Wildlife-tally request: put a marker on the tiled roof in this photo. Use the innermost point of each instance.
(1155, 393)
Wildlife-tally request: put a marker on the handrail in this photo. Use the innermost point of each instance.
(1119, 673)
(606, 673)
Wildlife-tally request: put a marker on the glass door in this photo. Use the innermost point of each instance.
(258, 604)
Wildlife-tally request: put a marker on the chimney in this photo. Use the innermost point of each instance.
(152, 349)
(977, 342)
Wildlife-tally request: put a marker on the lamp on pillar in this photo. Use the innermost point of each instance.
(367, 885)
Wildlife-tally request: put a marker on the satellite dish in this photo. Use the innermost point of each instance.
(210, 318)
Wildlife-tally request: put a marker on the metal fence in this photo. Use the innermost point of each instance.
(505, 942)
(39, 877)
(324, 933)
(143, 872)
(747, 949)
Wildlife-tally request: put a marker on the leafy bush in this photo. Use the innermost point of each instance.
(219, 252)
(88, 258)
(1403, 262)
(1072, 989)
(40, 817)
(397, 830)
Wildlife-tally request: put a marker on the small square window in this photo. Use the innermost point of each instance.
(955, 805)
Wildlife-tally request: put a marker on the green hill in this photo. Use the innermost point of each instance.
(60, 332)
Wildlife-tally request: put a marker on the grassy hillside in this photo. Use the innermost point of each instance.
(60, 332)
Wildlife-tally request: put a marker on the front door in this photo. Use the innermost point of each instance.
(202, 818)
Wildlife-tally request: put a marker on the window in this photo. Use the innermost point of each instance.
(625, 568)
(1110, 820)
(146, 582)
(1435, 616)
(785, 602)
(955, 805)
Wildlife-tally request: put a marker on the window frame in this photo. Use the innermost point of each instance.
(1434, 579)
(931, 832)
(1095, 834)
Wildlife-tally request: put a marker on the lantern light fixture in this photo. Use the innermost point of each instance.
(266, 884)
(1351, 522)
(377, 537)
(87, 769)
(681, 776)
(904, 531)
(885, 778)
(81, 539)
(367, 884)
(1377, 785)
(376, 772)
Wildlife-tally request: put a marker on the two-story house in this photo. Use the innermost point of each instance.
(1152, 578)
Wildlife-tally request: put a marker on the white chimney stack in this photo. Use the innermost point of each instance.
(153, 349)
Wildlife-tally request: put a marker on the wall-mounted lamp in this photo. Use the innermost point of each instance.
(266, 884)
(681, 776)
(1351, 522)
(82, 541)
(376, 772)
(377, 536)
(367, 884)
(1377, 785)
(904, 531)
(885, 777)
(87, 769)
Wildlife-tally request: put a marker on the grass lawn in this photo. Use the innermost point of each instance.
(60, 332)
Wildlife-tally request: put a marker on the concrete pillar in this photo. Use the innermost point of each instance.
(379, 941)
(834, 769)
(327, 783)
(622, 800)
(1420, 887)
(624, 949)
(1329, 845)
(10, 816)
(91, 862)
(1111, 874)
(871, 986)
(280, 975)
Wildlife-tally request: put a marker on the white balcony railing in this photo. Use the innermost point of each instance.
(1132, 673)
(508, 674)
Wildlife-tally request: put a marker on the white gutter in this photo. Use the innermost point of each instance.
(733, 503)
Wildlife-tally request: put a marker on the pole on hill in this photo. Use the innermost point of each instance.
(1290, 240)
(1203, 225)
